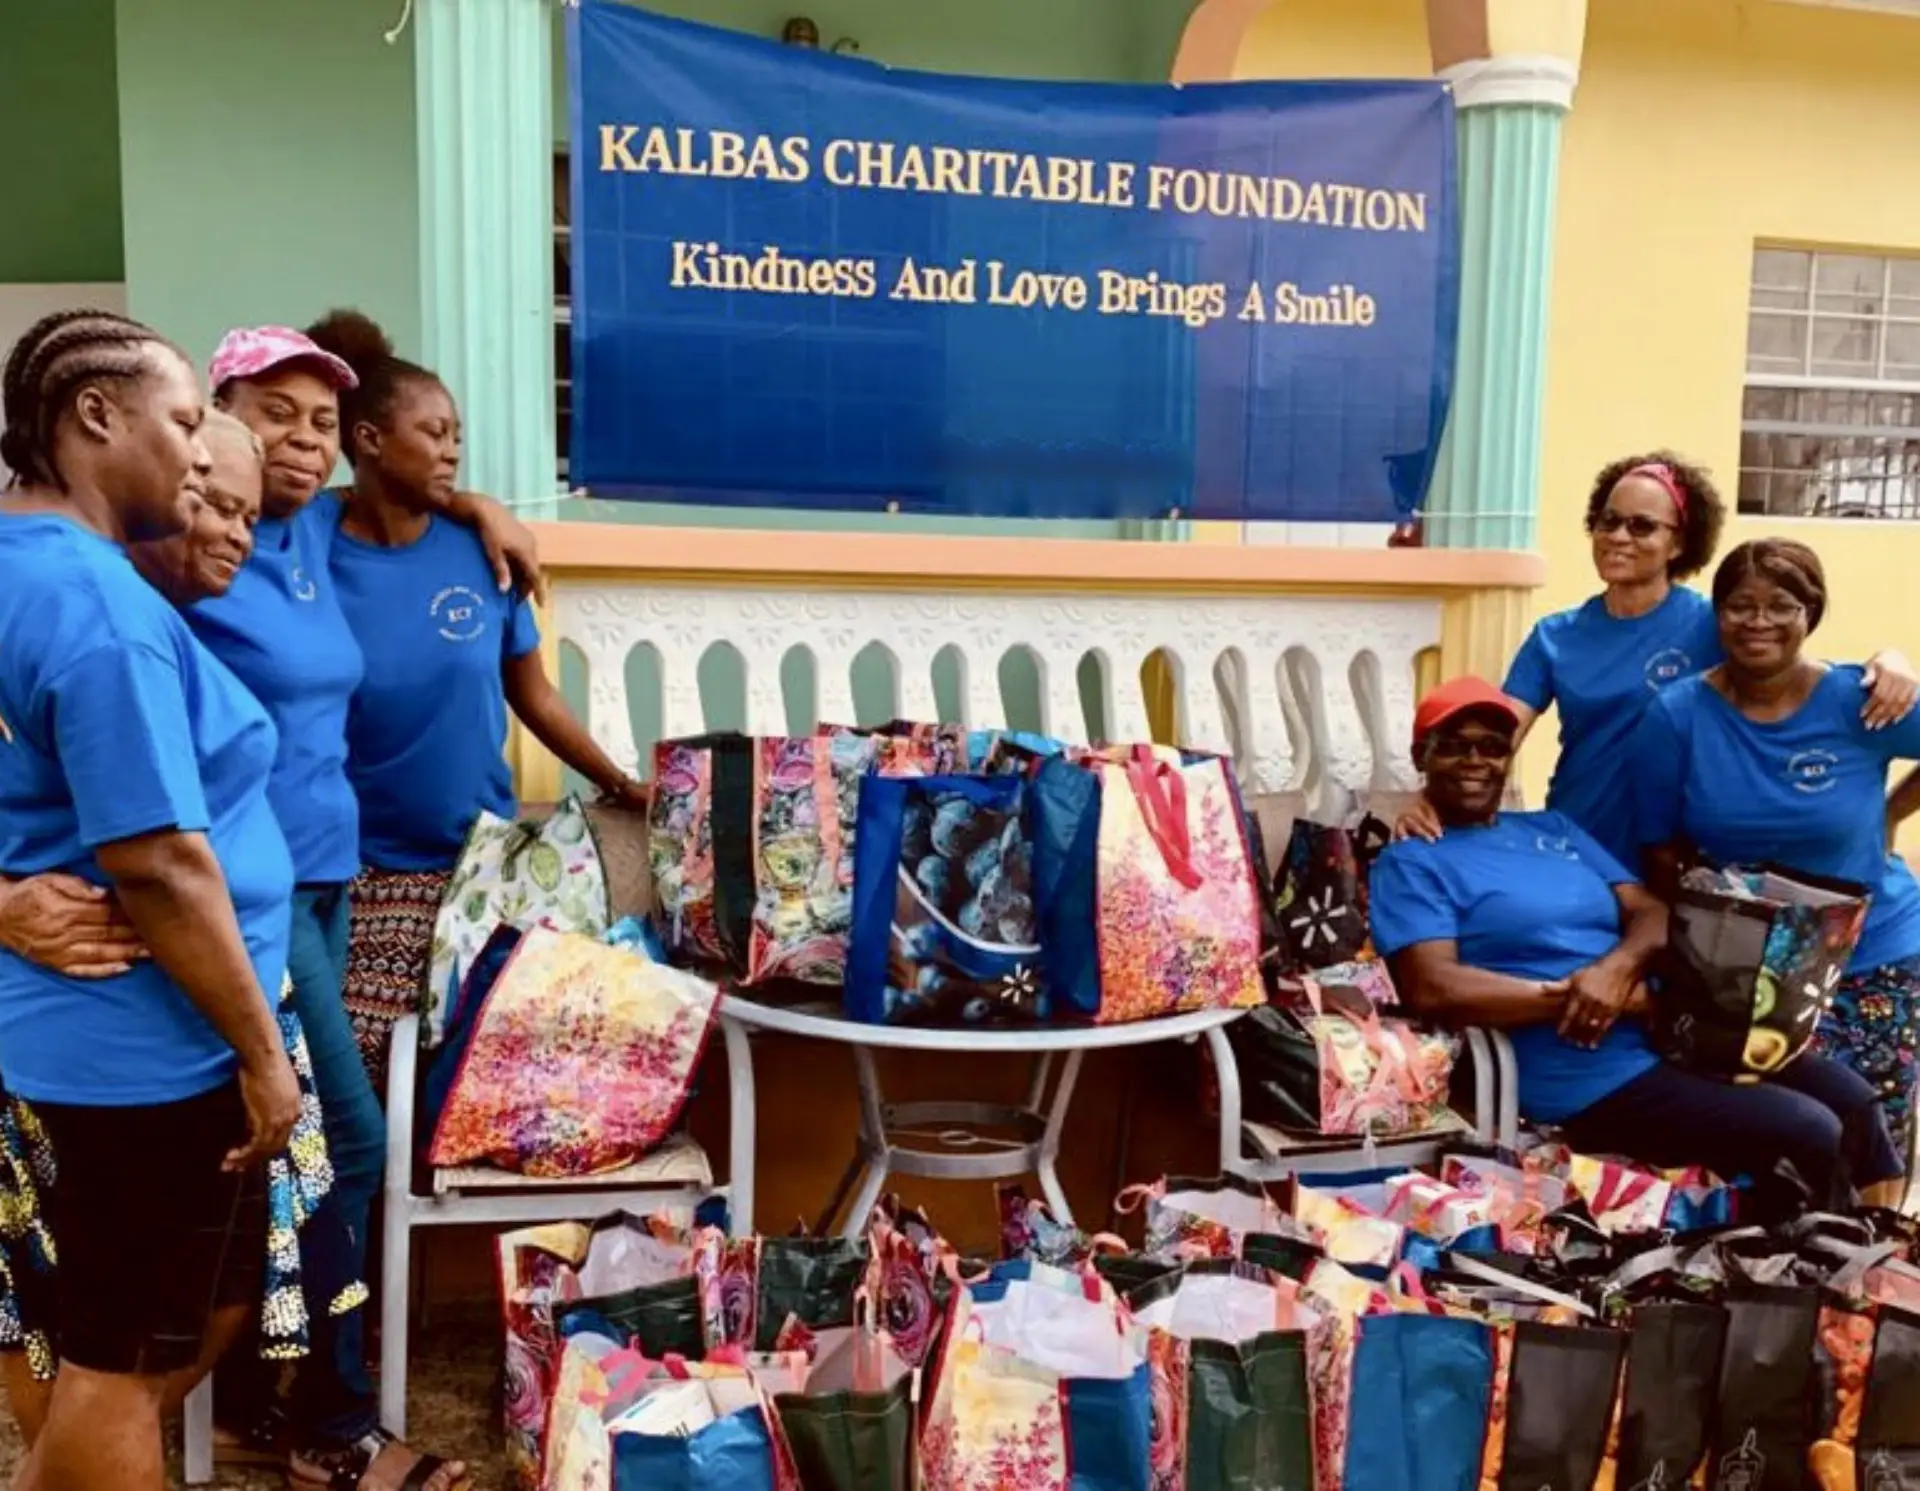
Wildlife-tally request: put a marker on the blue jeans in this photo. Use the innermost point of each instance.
(333, 1397)
(1817, 1116)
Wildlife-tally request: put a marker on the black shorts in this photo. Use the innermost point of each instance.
(152, 1235)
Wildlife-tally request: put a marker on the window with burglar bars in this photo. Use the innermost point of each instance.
(1830, 424)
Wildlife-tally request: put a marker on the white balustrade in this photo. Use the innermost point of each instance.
(1308, 691)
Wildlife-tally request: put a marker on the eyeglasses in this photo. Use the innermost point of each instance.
(1637, 525)
(1780, 611)
(1454, 748)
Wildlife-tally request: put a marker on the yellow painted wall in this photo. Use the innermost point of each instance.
(1699, 126)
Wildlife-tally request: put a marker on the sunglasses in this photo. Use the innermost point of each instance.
(1454, 748)
(1637, 525)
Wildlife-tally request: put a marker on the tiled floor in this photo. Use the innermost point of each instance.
(454, 1407)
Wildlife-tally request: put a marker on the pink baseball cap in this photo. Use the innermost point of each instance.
(249, 351)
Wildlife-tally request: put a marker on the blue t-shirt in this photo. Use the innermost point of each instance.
(280, 629)
(119, 724)
(1808, 792)
(427, 732)
(1531, 896)
(1601, 670)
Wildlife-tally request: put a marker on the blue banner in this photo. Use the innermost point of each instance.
(803, 280)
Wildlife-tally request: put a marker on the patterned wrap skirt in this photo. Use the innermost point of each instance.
(298, 1179)
(389, 950)
(1874, 1028)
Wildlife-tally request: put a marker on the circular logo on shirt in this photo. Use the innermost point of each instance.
(459, 612)
(1669, 665)
(303, 589)
(1558, 845)
(1813, 771)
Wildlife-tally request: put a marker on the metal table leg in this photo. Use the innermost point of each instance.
(1050, 1140)
(876, 1154)
(742, 1123)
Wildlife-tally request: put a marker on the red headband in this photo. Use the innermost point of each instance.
(1669, 480)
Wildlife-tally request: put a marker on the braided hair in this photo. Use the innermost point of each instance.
(48, 367)
(357, 340)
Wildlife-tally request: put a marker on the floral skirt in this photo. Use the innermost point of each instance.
(389, 949)
(1874, 1028)
(298, 1179)
(29, 1309)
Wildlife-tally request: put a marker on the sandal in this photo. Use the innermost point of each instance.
(348, 1466)
(260, 1441)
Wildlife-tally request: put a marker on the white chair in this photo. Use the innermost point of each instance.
(675, 1175)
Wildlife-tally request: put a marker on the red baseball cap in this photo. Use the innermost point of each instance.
(1456, 697)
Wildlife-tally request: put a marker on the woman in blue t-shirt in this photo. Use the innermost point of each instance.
(1764, 758)
(1522, 922)
(130, 758)
(447, 654)
(1654, 522)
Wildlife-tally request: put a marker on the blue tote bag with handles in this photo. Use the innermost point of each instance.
(1422, 1389)
(944, 931)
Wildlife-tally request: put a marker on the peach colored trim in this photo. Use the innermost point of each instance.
(1210, 45)
(883, 561)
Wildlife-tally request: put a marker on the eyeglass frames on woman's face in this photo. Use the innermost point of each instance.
(1637, 525)
(1476, 747)
(1780, 611)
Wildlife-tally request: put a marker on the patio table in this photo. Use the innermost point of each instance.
(955, 1140)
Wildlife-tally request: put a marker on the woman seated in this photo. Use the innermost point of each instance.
(1764, 759)
(1520, 921)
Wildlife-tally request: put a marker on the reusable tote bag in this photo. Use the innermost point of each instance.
(806, 805)
(1343, 1069)
(700, 848)
(1231, 1386)
(1042, 1384)
(543, 1269)
(1752, 958)
(1764, 1424)
(1667, 1400)
(944, 931)
(1422, 1389)
(580, 1061)
(1320, 893)
(1145, 889)
(534, 873)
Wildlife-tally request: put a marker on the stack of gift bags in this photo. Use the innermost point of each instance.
(1511, 1321)
(931, 875)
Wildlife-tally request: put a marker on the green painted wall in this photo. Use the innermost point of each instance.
(267, 155)
(60, 138)
(1106, 41)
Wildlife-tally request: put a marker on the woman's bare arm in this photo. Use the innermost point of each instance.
(543, 710)
(1436, 984)
(172, 890)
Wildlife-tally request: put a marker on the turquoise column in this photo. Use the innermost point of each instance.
(482, 84)
(1485, 492)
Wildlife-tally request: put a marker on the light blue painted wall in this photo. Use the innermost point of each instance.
(267, 163)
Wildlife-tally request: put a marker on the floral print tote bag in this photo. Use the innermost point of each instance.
(534, 873)
(581, 1060)
(700, 848)
(806, 803)
(541, 1270)
(1178, 920)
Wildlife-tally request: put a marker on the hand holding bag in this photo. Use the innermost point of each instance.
(1752, 959)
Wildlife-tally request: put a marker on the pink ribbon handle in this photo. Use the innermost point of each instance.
(1161, 791)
